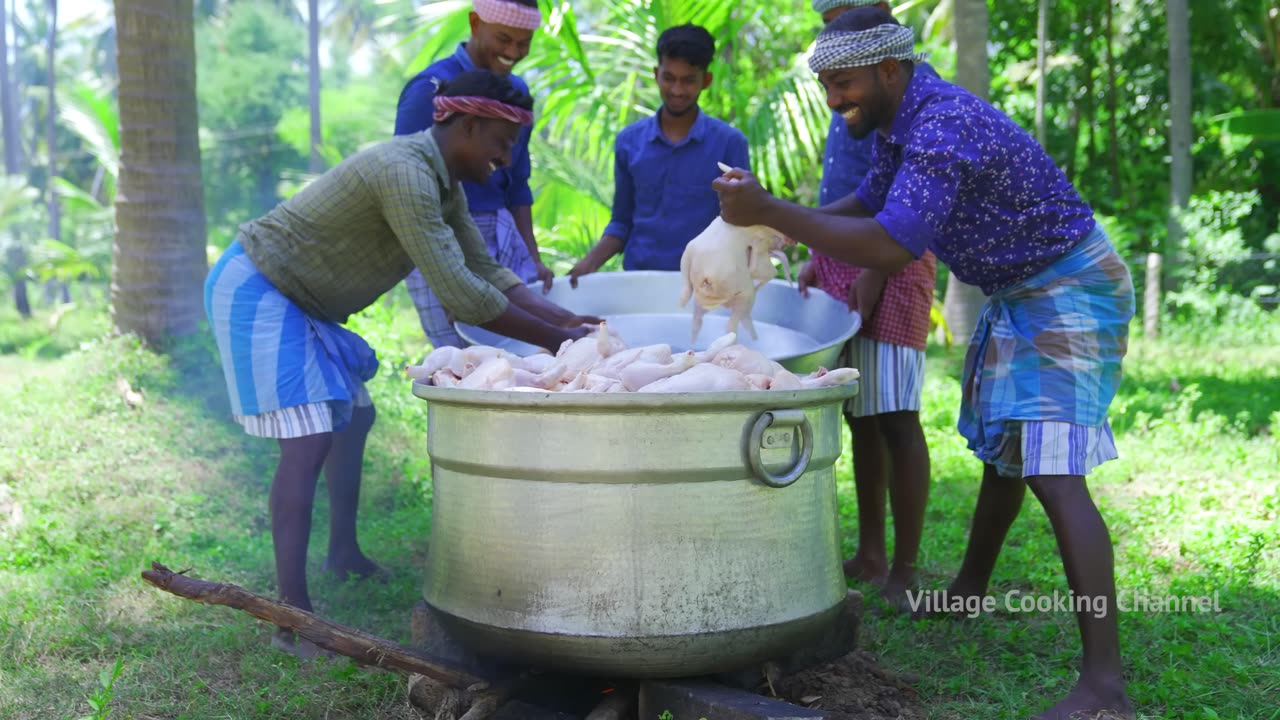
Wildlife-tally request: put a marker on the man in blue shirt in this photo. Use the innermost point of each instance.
(501, 31)
(952, 174)
(663, 165)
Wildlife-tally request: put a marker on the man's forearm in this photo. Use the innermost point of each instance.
(516, 322)
(608, 246)
(847, 206)
(532, 303)
(523, 215)
(857, 241)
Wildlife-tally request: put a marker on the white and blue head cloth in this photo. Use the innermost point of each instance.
(846, 49)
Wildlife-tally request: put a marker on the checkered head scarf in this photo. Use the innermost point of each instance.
(511, 14)
(821, 6)
(447, 106)
(835, 50)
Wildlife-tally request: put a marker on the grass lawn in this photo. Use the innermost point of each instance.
(92, 489)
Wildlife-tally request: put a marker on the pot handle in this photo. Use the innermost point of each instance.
(775, 429)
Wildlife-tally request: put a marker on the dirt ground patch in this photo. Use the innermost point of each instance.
(853, 687)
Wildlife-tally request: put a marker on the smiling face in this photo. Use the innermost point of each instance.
(497, 48)
(680, 84)
(486, 147)
(860, 96)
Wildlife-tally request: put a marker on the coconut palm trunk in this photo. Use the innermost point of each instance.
(158, 258)
(963, 302)
(1178, 16)
(15, 255)
(1042, 70)
(313, 38)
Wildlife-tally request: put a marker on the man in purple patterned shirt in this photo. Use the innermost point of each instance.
(951, 174)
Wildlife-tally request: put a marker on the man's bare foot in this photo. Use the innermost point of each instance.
(867, 569)
(1099, 701)
(359, 566)
(289, 642)
(894, 592)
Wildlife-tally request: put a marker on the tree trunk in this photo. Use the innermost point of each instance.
(971, 35)
(1179, 124)
(15, 260)
(8, 110)
(962, 302)
(158, 259)
(16, 256)
(1042, 70)
(1113, 134)
(313, 31)
(1088, 105)
(51, 123)
(1151, 296)
(55, 291)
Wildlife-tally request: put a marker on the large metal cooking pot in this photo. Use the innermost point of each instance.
(643, 307)
(635, 534)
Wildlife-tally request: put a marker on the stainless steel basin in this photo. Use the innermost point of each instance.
(634, 534)
(644, 308)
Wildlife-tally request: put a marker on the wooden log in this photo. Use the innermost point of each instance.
(362, 647)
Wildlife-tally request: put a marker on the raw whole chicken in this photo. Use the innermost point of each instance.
(583, 353)
(639, 374)
(701, 378)
(496, 372)
(602, 363)
(725, 265)
(746, 361)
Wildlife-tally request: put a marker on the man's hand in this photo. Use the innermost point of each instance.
(865, 293)
(579, 332)
(583, 267)
(743, 200)
(807, 278)
(546, 275)
(591, 322)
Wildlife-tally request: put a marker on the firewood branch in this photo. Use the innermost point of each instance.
(362, 647)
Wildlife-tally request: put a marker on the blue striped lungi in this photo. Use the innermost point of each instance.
(288, 374)
(1044, 365)
(505, 244)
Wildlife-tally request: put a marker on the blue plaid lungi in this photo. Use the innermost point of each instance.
(288, 374)
(505, 245)
(1044, 365)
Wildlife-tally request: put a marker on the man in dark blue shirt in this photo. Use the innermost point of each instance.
(952, 174)
(501, 31)
(663, 165)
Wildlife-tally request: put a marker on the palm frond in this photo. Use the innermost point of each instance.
(89, 113)
(442, 25)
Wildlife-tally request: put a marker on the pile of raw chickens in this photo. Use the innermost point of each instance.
(602, 362)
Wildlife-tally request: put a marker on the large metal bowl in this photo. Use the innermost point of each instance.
(643, 307)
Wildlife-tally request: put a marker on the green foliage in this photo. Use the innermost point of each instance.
(109, 487)
(1212, 252)
(56, 331)
(351, 117)
(101, 698)
(1123, 172)
(105, 488)
(87, 110)
(1260, 124)
(251, 68)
